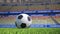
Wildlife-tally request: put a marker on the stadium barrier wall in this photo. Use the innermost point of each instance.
(31, 12)
(32, 26)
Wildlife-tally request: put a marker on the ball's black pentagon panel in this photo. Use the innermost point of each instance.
(20, 17)
(29, 19)
(23, 25)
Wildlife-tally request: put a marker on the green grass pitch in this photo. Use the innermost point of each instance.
(30, 31)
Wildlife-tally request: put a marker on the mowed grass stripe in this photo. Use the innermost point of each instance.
(30, 31)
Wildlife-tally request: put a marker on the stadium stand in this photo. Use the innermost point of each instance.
(55, 7)
(21, 5)
(30, 4)
(7, 19)
(42, 20)
(57, 18)
(36, 19)
(37, 7)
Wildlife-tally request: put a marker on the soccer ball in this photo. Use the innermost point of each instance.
(23, 21)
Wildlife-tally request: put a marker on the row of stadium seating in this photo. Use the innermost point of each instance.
(31, 11)
(34, 7)
(7, 19)
(36, 19)
(31, 1)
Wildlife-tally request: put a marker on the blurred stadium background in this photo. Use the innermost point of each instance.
(43, 12)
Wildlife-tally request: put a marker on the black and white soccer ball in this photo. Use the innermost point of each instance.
(23, 21)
